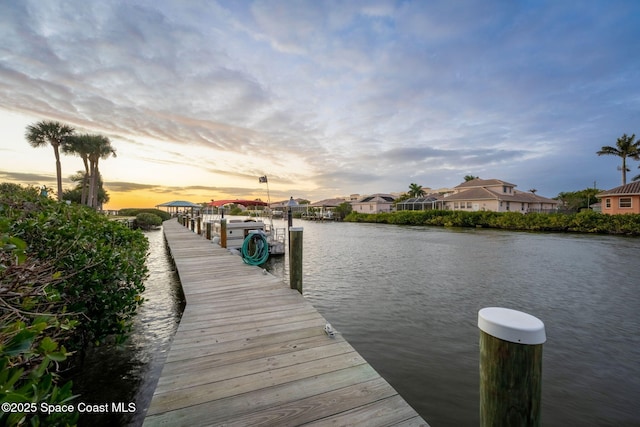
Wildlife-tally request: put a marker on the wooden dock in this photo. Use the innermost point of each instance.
(250, 351)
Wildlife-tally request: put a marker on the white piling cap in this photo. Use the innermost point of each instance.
(511, 325)
(295, 228)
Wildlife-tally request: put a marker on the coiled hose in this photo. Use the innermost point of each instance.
(255, 249)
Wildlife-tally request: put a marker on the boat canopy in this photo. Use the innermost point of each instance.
(218, 203)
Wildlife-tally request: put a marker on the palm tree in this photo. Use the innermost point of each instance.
(468, 178)
(625, 148)
(81, 145)
(54, 133)
(100, 148)
(533, 190)
(415, 190)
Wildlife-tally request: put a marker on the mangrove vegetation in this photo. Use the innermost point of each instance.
(582, 222)
(69, 278)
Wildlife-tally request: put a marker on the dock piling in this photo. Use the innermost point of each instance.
(510, 367)
(223, 233)
(295, 258)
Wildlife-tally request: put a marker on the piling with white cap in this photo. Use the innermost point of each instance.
(510, 367)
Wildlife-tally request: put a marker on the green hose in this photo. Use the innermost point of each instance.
(260, 247)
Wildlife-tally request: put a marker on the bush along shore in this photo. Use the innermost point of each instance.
(582, 222)
(69, 278)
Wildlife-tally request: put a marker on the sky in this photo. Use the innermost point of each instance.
(325, 98)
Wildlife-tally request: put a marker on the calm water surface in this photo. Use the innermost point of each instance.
(407, 298)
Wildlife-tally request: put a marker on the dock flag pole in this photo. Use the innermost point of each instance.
(261, 180)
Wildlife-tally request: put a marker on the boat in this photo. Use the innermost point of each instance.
(239, 229)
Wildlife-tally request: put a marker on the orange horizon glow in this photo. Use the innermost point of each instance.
(144, 199)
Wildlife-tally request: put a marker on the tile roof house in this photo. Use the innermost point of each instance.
(621, 200)
(326, 207)
(496, 195)
(374, 203)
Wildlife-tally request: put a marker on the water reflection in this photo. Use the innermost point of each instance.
(129, 373)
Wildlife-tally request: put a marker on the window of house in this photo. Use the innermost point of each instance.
(455, 205)
(608, 203)
(469, 205)
(625, 202)
(508, 205)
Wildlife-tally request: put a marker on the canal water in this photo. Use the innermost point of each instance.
(407, 299)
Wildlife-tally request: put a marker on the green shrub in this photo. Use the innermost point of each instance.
(33, 326)
(101, 263)
(67, 276)
(135, 212)
(147, 221)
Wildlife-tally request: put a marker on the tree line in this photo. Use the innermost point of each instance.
(585, 221)
(91, 148)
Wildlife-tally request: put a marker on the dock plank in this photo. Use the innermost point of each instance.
(251, 351)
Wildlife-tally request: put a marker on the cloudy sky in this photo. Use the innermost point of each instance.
(326, 98)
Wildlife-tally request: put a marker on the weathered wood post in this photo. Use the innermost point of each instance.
(199, 225)
(295, 258)
(208, 232)
(510, 367)
(192, 227)
(223, 233)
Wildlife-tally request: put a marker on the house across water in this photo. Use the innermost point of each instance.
(483, 195)
(621, 200)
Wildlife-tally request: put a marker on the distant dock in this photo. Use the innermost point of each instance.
(250, 351)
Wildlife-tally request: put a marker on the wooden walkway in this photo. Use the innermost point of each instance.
(249, 351)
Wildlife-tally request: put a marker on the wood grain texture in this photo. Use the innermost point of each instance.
(510, 382)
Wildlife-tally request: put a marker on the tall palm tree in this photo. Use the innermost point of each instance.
(625, 148)
(54, 133)
(415, 190)
(81, 145)
(468, 178)
(101, 148)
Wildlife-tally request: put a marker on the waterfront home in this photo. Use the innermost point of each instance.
(621, 200)
(374, 203)
(325, 208)
(495, 195)
(282, 207)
